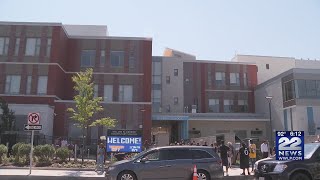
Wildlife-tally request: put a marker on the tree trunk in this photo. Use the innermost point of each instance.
(82, 147)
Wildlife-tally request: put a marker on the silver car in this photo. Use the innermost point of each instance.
(170, 162)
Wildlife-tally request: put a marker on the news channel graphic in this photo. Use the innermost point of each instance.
(290, 145)
(124, 141)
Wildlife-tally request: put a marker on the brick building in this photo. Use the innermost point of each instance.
(198, 98)
(37, 61)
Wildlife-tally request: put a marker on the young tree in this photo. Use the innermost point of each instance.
(7, 116)
(86, 105)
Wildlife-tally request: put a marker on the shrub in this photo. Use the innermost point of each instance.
(44, 152)
(22, 156)
(62, 153)
(3, 152)
(15, 152)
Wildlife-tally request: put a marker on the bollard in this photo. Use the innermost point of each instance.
(75, 152)
(88, 154)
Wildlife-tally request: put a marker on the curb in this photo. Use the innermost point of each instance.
(45, 178)
(46, 168)
(251, 177)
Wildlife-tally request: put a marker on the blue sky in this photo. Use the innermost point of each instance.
(209, 29)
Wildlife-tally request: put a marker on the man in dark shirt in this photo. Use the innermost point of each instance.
(224, 155)
(244, 158)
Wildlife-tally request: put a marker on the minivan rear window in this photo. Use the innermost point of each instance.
(199, 154)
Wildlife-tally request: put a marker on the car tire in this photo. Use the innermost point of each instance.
(299, 176)
(126, 175)
(203, 174)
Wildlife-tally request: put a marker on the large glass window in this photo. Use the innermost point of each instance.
(308, 88)
(220, 78)
(4, 45)
(125, 93)
(108, 93)
(214, 105)
(42, 85)
(17, 46)
(198, 154)
(29, 81)
(228, 105)
(48, 50)
(175, 154)
(102, 58)
(234, 79)
(33, 47)
(117, 58)
(95, 90)
(243, 105)
(245, 79)
(12, 84)
(288, 91)
(87, 58)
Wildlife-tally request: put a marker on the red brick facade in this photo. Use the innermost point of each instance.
(64, 61)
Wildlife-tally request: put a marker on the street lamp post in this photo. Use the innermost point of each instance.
(269, 98)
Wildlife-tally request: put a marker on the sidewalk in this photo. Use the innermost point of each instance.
(16, 174)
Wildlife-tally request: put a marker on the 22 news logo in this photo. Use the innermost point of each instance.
(290, 145)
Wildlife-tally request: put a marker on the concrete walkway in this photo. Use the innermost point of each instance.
(8, 174)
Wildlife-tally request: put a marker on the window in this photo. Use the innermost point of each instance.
(48, 50)
(95, 90)
(220, 78)
(234, 79)
(108, 93)
(29, 81)
(175, 72)
(168, 108)
(243, 105)
(152, 156)
(125, 93)
(209, 78)
(117, 58)
(228, 105)
(102, 58)
(17, 46)
(245, 79)
(4, 45)
(288, 91)
(198, 154)
(42, 85)
(174, 154)
(33, 47)
(256, 133)
(214, 105)
(168, 79)
(267, 66)
(176, 100)
(12, 84)
(131, 62)
(87, 58)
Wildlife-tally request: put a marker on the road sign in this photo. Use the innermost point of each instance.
(33, 118)
(36, 127)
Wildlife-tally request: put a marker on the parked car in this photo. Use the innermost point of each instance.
(169, 162)
(308, 169)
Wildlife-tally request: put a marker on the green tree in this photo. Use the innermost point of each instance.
(7, 116)
(86, 105)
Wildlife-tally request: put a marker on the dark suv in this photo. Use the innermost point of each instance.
(170, 162)
(308, 169)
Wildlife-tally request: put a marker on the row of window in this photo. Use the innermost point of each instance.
(174, 154)
(220, 79)
(125, 93)
(33, 46)
(228, 106)
(88, 58)
(301, 89)
(13, 82)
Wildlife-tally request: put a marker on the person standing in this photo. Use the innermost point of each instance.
(244, 158)
(100, 158)
(264, 149)
(224, 155)
(252, 154)
(230, 154)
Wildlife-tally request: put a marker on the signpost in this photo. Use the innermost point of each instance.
(33, 125)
